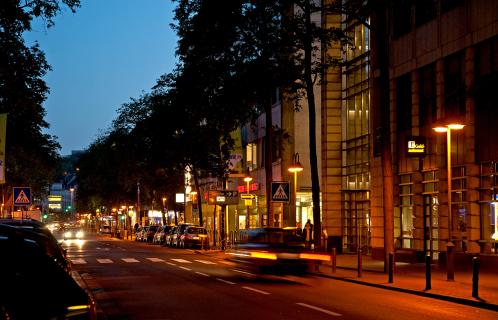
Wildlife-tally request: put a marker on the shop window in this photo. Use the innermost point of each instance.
(406, 210)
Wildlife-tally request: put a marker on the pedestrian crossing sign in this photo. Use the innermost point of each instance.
(280, 191)
(22, 196)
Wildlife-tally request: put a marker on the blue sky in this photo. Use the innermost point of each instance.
(104, 54)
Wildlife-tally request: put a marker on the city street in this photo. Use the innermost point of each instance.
(135, 280)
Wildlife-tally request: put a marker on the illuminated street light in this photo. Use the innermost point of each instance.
(164, 211)
(247, 180)
(441, 129)
(295, 168)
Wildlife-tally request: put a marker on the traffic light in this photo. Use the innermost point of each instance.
(45, 216)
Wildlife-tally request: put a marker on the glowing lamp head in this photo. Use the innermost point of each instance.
(296, 167)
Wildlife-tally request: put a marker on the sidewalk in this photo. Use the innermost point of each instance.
(410, 278)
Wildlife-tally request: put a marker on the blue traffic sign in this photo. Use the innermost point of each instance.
(280, 191)
(22, 196)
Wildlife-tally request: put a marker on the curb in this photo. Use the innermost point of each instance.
(472, 303)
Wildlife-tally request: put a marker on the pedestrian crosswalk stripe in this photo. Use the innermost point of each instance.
(155, 259)
(130, 260)
(105, 261)
(205, 261)
(78, 261)
(181, 260)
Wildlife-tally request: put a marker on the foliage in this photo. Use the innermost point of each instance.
(31, 155)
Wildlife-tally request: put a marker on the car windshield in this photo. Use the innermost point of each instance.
(197, 230)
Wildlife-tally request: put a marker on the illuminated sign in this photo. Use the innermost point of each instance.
(416, 147)
(54, 198)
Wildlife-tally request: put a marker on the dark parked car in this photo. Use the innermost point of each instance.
(34, 284)
(169, 236)
(175, 240)
(150, 231)
(140, 234)
(46, 239)
(194, 236)
(160, 236)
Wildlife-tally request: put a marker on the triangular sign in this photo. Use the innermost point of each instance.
(280, 193)
(22, 198)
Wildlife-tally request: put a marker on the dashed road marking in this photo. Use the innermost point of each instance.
(185, 268)
(170, 263)
(105, 261)
(78, 261)
(181, 260)
(256, 290)
(335, 314)
(244, 272)
(202, 274)
(225, 281)
(205, 261)
(130, 260)
(155, 259)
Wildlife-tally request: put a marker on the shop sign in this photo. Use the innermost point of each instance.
(416, 147)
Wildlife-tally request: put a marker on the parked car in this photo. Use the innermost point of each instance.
(105, 229)
(194, 236)
(160, 236)
(150, 231)
(34, 284)
(175, 241)
(169, 236)
(46, 240)
(140, 234)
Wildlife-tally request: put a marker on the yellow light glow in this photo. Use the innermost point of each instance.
(440, 129)
(314, 256)
(456, 126)
(247, 179)
(264, 255)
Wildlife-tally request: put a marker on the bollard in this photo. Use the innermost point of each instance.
(359, 263)
(450, 262)
(428, 271)
(391, 267)
(334, 260)
(475, 277)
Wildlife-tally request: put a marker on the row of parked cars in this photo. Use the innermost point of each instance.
(37, 280)
(181, 236)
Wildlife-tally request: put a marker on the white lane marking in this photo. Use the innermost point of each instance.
(185, 268)
(205, 261)
(226, 262)
(244, 272)
(130, 260)
(78, 261)
(155, 259)
(105, 261)
(170, 263)
(202, 274)
(181, 260)
(335, 314)
(256, 290)
(225, 281)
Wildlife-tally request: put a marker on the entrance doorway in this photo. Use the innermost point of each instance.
(356, 221)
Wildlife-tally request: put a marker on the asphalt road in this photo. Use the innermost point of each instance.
(133, 280)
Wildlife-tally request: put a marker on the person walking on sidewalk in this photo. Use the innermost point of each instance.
(308, 234)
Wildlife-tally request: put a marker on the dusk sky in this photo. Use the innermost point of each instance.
(104, 54)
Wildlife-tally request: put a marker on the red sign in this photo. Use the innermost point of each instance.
(252, 187)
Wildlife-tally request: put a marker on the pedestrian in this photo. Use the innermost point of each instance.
(136, 227)
(308, 233)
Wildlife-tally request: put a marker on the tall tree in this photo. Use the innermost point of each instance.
(31, 155)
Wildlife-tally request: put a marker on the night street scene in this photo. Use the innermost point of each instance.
(250, 159)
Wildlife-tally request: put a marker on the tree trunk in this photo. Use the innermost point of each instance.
(268, 162)
(315, 183)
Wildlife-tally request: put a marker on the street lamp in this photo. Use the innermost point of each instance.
(72, 201)
(247, 180)
(295, 168)
(441, 129)
(164, 211)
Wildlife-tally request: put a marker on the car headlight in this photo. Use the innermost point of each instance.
(68, 234)
(79, 234)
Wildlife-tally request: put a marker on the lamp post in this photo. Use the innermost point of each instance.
(72, 201)
(441, 129)
(164, 211)
(247, 180)
(295, 168)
